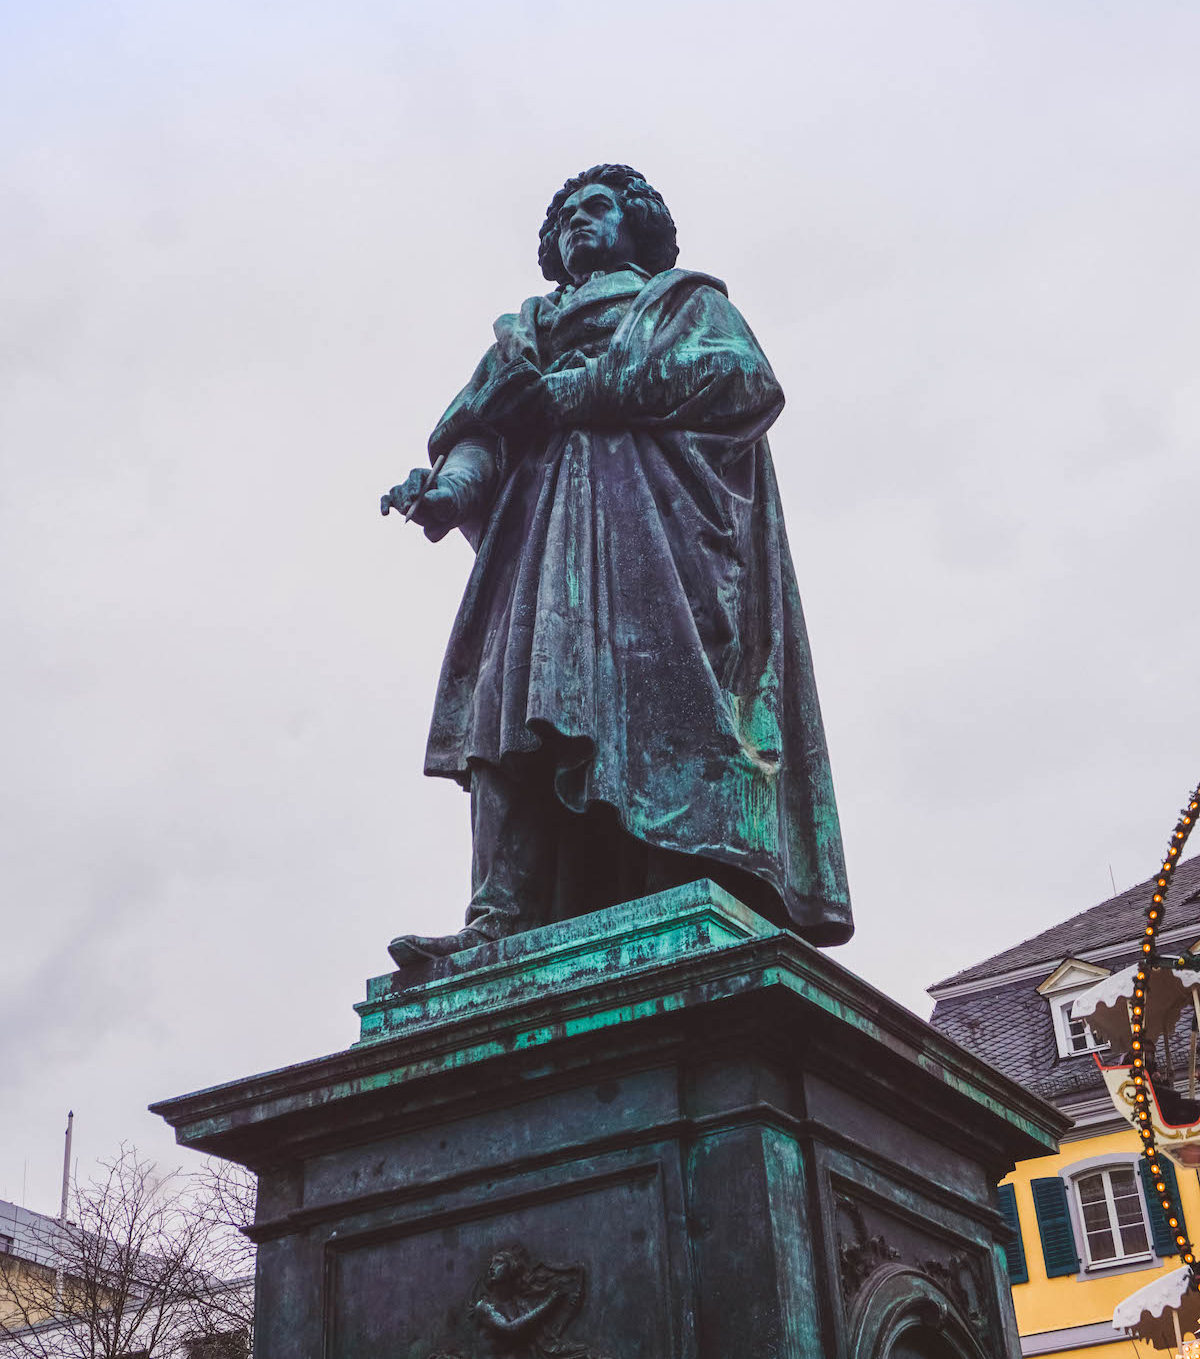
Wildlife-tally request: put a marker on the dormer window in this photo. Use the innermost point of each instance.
(1070, 979)
(1074, 1035)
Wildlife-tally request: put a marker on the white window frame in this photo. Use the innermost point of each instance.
(1061, 1006)
(1091, 1166)
(1069, 980)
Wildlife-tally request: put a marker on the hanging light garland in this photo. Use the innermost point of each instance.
(1137, 1019)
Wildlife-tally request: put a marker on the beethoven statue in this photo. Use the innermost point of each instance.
(628, 692)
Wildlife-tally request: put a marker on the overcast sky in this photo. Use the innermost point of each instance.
(249, 251)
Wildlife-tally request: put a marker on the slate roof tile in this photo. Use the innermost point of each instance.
(1011, 1026)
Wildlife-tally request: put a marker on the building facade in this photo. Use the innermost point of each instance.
(53, 1305)
(1086, 1232)
(26, 1264)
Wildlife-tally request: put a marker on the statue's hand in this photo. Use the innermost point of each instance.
(440, 509)
(519, 402)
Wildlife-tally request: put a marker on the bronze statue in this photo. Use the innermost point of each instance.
(628, 692)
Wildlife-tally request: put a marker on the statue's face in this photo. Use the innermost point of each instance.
(500, 1269)
(592, 232)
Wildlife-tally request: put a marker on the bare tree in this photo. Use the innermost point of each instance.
(223, 1203)
(146, 1266)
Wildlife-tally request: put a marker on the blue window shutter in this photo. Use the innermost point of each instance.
(1160, 1228)
(1054, 1226)
(1014, 1250)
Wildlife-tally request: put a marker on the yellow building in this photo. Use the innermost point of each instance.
(55, 1299)
(26, 1265)
(1086, 1232)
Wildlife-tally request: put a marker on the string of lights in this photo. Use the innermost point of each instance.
(1141, 1079)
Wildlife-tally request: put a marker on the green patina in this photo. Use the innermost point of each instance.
(664, 955)
(757, 725)
(556, 958)
(631, 640)
(791, 1235)
(574, 960)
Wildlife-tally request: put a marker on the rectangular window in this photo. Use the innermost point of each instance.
(6, 1244)
(1074, 1035)
(1081, 1037)
(1110, 1208)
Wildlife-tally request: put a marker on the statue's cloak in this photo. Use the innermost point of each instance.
(633, 616)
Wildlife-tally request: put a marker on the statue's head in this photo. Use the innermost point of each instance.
(507, 1266)
(605, 217)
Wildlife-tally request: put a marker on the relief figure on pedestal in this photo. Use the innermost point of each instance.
(523, 1309)
(628, 693)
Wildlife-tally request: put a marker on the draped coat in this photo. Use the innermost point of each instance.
(633, 618)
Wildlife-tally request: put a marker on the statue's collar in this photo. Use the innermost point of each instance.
(624, 282)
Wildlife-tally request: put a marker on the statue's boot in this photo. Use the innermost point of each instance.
(419, 948)
(514, 830)
(511, 863)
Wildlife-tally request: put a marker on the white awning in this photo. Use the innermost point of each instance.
(1105, 1006)
(1147, 1314)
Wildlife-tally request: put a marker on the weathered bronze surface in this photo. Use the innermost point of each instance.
(628, 690)
(667, 1130)
(522, 1309)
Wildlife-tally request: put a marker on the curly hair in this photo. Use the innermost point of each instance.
(650, 224)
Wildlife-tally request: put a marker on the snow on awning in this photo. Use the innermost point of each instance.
(1105, 1006)
(1147, 1314)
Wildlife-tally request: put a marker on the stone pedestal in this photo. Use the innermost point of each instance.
(668, 1130)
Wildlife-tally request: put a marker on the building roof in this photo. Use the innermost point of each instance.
(33, 1234)
(1010, 1024)
(1012, 1028)
(1111, 922)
